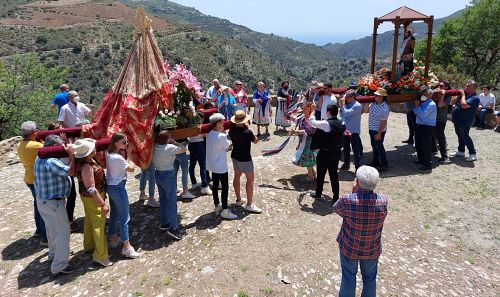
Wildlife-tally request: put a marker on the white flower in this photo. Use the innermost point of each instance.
(161, 113)
(175, 115)
(170, 113)
(163, 116)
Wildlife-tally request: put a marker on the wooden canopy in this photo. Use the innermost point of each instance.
(402, 16)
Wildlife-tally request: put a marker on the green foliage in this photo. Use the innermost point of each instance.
(472, 42)
(26, 89)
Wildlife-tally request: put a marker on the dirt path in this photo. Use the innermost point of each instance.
(441, 237)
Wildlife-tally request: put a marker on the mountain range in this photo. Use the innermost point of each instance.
(92, 38)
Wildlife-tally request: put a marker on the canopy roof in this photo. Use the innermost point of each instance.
(405, 14)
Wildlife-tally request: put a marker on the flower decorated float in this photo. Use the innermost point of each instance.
(147, 95)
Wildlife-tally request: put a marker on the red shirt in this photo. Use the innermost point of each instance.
(363, 216)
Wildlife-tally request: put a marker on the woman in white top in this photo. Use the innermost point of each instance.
(217, 145)
(116, 178)
(165, 152)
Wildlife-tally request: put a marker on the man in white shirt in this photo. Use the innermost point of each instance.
(486, 105)
(73, 112)
(212, 92)
(327, 99)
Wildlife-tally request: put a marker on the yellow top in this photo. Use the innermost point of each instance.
(27, 151)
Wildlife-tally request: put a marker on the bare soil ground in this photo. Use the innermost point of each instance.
(72, 13)
(441, 237)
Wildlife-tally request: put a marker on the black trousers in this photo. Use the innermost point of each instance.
(411, 120)
(423, 143)
(328, 161)
(71, 201)
(440, 138)
(223, 178)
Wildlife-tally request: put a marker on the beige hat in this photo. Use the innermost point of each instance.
(240, 117)
(84, 147)
(381, 92)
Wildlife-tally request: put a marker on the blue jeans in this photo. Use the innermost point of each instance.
(482, 116)
(355, 142)
(39, 223)
(119, 215)
(349, 271)
(464, 139)
(379, 155)
(198, 153)
(148, 175)
(183, 161)
(167, 183)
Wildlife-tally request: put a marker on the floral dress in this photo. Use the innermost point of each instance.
(304, 156)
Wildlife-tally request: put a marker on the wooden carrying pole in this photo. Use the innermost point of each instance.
(374, 44)
(430, 23)
(397, 23)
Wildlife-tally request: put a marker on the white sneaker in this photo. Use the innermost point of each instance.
(458, 154)
(471, 158)
(206, 191)
(130, 253)
(105, 262)
(187, 195)
(218, 208)
(228, 215)
(143, 196)
(252, 208)
(195, 186)
(153, 203)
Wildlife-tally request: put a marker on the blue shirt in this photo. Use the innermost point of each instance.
(426, 113)
(51, 179)
(351, 114)
(226, 109)
(60, 99)
(465, 116)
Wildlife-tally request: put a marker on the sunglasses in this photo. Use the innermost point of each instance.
(124, 142)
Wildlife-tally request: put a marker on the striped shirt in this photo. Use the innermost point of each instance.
(378, 113)
(363, 216)
(51, 179)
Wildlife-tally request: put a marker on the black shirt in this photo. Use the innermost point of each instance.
(242, 138)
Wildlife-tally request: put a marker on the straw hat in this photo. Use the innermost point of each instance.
(381, 92)
(84, 147)
(240, 117)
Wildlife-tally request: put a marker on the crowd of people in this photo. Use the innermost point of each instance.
(328, 128)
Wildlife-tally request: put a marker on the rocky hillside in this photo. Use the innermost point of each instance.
(92, 38)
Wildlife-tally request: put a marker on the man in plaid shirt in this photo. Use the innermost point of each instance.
(363, 213)
(52, 187)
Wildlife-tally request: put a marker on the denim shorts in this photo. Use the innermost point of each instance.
(245, 167)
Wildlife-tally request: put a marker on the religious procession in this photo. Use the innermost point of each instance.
(158, 120)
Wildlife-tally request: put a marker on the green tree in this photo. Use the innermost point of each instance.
(26, 88)
(472, 42)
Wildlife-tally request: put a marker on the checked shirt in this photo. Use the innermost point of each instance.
(363, 216)
(51, 179)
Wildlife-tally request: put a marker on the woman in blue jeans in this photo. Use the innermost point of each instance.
(165, 152)
(182, 162)
(377, 126)
(116, 178)
(148, 175)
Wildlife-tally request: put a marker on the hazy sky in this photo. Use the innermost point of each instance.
(316, 21)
